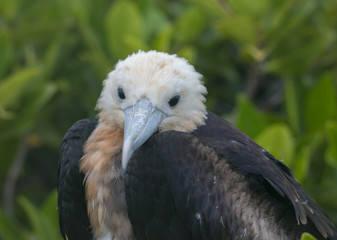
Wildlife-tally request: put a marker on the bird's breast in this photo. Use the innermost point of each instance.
(104, 184)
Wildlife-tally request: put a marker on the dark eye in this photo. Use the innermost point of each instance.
(174, 101)
(121, 93)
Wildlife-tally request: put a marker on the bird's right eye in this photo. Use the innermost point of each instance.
(121, 93)
(174, 101)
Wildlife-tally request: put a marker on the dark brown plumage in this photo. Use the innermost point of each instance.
(73, 217)
(217, 183)
(205, 180)
(214, 183)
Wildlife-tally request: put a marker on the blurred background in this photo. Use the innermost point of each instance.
(270, 68)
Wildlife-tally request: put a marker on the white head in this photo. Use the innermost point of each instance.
(168, 83)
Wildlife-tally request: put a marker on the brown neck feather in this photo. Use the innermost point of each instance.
(101, 165)
(104, 144)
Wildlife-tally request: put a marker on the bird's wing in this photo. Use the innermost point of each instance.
(207, 185)
(251, 159)
(73, 217)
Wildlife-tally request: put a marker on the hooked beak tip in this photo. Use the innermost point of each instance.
(126, 154)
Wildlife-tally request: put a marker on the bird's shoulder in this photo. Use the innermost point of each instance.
(72, 146)
(238, 148)
(80, 130)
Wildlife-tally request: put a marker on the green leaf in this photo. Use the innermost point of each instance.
(331, 151)
(163, 40)
(8, 230)
(33, 216)
(248, 118)
(6, 115)
(51, 56)
(292, 103)
(309, 145)
(289, 18)
(189, 25)
(239, 28)
(251, 8)
(29, 113)
(307, 236)
(43, 220)
(293, 57)
(154, 20)
(123, 21)
(302, 164)
(278, 140)
(8, 9)
(49, 209)
(250, 51)
(188, 53)
(13, 86)
(135, 43)
(288, 55)
(320, 104)
(210, 8)
(6, 50)
(42, 96)
(95, 54)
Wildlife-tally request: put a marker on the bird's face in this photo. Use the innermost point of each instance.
(149, 92)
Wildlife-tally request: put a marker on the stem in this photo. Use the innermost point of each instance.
(12, 176)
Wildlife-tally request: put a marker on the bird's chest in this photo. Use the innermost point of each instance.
(106, 204)
(104, 185)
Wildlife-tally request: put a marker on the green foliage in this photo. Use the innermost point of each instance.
(248, 119)
(43, 223)
(123, 28)
(307, 236)
(321, 104)
(14, 86)
(54, 56)
(331, 151)
(293, 95)
(192, 20)
(278, 139)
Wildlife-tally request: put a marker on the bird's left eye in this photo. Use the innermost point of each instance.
(174, 101)
(121, 93)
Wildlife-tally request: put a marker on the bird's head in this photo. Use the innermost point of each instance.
(149, 92)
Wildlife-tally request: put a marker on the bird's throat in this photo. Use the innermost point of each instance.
(104, 183)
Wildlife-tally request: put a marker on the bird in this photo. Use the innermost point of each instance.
(155, 164)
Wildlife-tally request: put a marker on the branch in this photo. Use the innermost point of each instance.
(10, 182)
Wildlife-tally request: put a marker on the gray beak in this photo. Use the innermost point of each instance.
(141, 121)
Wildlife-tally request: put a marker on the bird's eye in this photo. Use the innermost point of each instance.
(174, 101)
(121, 93)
